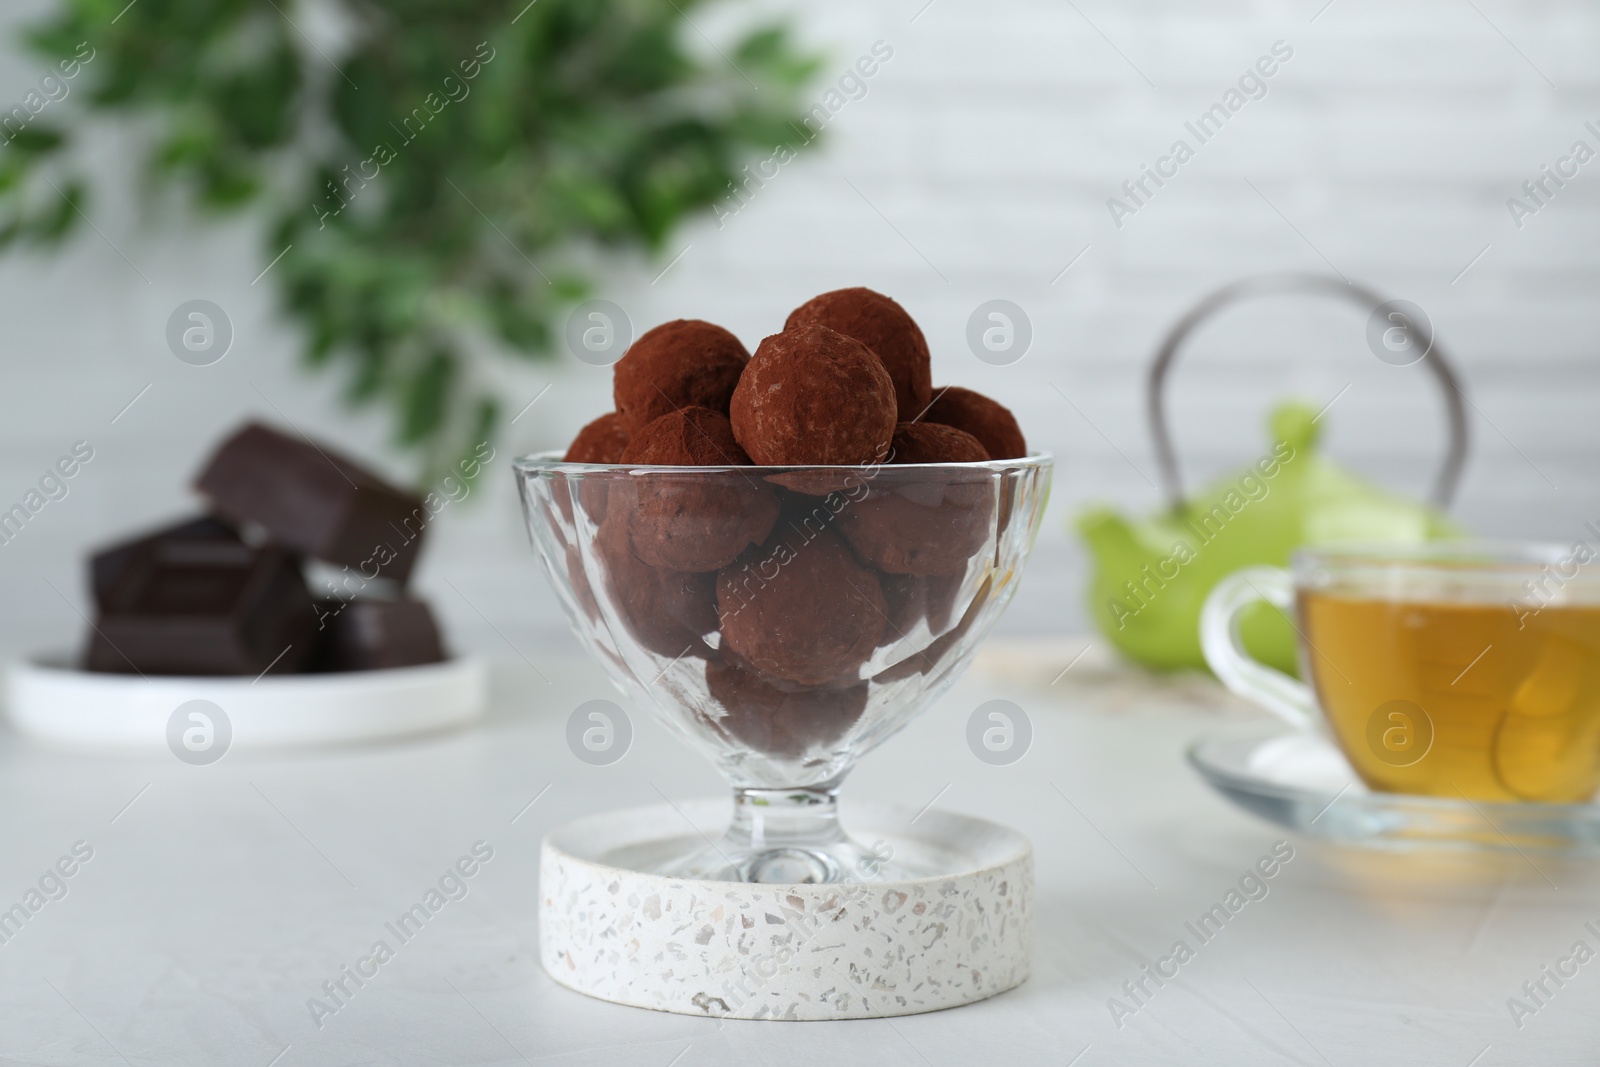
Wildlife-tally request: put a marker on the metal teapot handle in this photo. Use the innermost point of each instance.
(1444, 489)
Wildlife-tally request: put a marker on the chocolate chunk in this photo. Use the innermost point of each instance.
(369, 635)
(315, 502)
(204, 607)
(107, 565)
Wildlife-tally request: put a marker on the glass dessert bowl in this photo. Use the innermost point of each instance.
(784, 621)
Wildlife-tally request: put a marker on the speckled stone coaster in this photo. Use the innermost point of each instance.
(791, 952)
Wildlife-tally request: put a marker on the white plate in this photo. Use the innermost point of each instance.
(64, 706)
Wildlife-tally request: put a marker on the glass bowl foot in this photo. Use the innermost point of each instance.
(790, 837)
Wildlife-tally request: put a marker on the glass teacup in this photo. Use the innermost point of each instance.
(1455, 669)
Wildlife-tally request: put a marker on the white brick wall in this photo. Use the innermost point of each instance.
(990, 142)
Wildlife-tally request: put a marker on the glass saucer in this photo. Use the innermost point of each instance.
(1302, 782)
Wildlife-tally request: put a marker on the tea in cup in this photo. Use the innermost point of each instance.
(1445, 669)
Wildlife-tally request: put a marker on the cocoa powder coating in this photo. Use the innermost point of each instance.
(812, 396)
(929, 527)
(801, 610)
(931, 442)
(992, 424)
(602, 441)
(695, 522)
(665, 611)
(688, 437)
(883, 326)
(678, 364)
(913, 599)
(778, 723)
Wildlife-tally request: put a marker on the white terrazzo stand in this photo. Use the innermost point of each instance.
(790, 952)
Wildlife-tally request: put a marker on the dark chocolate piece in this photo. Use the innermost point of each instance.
(370, 635)
(318, 503)
(204, 607)
(107, 565)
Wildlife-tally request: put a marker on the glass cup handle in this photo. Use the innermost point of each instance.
(1280, 694)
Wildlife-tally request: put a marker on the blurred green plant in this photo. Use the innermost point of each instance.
(433, 178)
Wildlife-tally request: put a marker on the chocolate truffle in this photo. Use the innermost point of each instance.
(590, 491)
(677, 365)
(931, 527)
(688, 599)
(883, 326)
(688, 437)
(935, 655)
(777, 723)
(602, 441)
(822, 481)
(931, 442)
(906, 604)
(665, 611)
(913, 598)
(688, 521)
(811, 396)
(994, 426)
(800, 608)
(582, 592)
(942, 591)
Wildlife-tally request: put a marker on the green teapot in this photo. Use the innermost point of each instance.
(1151, 577)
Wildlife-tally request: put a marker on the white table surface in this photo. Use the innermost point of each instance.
(222, 898)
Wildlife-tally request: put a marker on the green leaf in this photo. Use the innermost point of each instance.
(226, 187)
(485, 421)
(59, 216)
(35, 140)
(256, 103)
(415, 169)
(427, 397)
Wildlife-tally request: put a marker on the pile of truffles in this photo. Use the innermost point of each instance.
(785, 583)
(225, 593)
